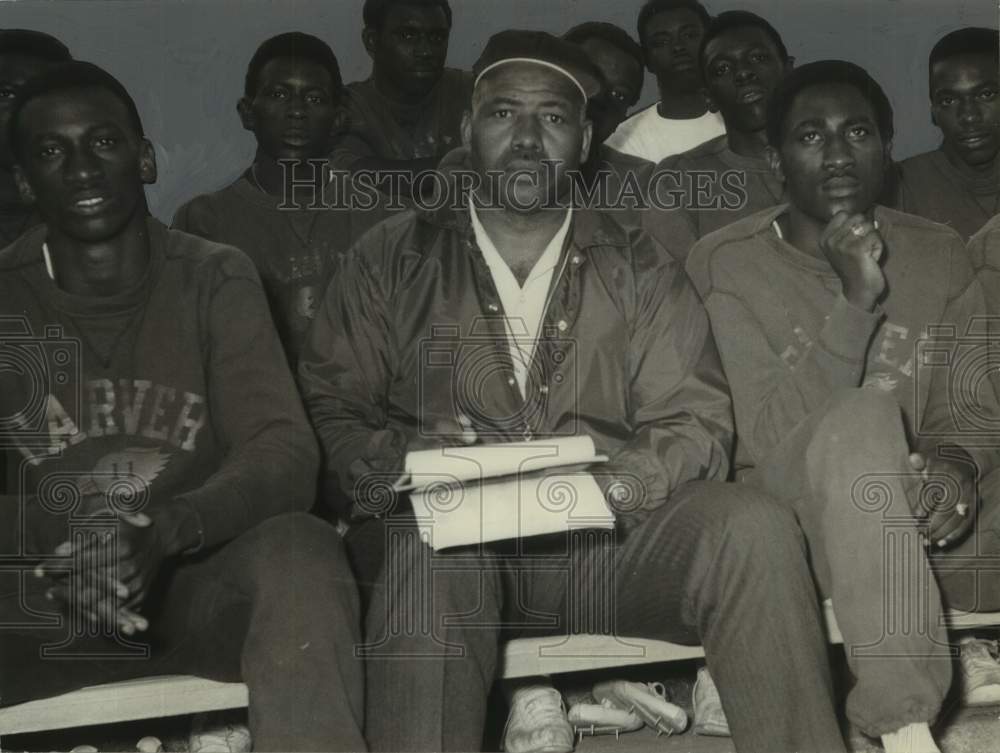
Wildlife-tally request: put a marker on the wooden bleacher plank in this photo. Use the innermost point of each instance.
(123, 701)
(532, 656)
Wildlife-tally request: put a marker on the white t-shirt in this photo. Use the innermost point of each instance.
(523, 307)
(654, 138)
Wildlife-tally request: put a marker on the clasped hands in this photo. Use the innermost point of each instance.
(107, 578)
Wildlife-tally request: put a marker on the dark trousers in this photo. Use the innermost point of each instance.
(276, 608)
(845, 473)
(719, 564)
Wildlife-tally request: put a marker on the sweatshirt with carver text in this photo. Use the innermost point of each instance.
(174, 390)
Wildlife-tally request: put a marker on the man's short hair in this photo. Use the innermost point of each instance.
(374, 11)
(826, 72)
(75, 74)
(972, 40)
(33, 44)
(740, 19)
(293, 44)
(614, 35)
(654, 7)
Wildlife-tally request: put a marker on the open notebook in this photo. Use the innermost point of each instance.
(471, 495)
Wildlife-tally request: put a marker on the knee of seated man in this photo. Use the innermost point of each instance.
(860, 406)
(293, 542)
(862, 419)
(761, 516)
(756, 523)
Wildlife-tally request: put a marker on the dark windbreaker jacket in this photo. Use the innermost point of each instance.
(410, 336)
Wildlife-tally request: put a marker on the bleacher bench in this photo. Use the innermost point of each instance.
(155, 697)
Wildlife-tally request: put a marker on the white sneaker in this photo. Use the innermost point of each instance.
(709, 716)
(980, 672)
(149, 744)
(216, 733)
(537, 722)
(648, 701)
(913, 738)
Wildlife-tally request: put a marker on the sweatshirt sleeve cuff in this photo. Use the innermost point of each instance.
(217, 515)
(848, 330)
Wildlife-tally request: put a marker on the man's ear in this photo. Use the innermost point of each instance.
(341, 118)
(588, 135)
(24, 189)
(245, 110)
(710, 102)
(467, 129)
(789, 63)
(147, 162)
(369, 38)
(774, 162)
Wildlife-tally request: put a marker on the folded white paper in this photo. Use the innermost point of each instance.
(471, 495)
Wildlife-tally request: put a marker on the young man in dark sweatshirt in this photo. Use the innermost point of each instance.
(825, 310)
(164, 452)
(406, 116)
(743, 59)
(288, 212)
(23, 54)
(958, 183)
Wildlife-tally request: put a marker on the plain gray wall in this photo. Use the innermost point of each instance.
(184, 60)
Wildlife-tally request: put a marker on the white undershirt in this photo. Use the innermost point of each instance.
(652, 137)
(523, 307)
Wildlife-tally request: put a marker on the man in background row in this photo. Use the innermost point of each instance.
(23, 55)
(291, 219)
(619, 58)
(670, 32)
(407, 115)
(959, 182)
(743, 59)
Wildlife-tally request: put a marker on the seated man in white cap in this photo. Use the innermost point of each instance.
(622, 353)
